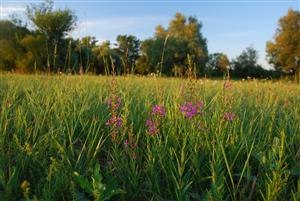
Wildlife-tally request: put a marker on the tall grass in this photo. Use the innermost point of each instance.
(55, 144)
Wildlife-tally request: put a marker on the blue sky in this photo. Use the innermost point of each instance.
(229, 25)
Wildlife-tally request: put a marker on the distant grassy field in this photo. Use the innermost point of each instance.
(91, 138)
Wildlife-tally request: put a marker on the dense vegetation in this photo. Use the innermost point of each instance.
(132, 138)
(41, 44)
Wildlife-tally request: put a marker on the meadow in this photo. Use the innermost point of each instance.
(146, 138)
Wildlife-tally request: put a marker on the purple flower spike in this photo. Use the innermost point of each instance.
(227, 85)
(200, 105)
(114, 122)
(190, 110)
(149, 122)
(114, 102)
(229, 116)
(152, 128)
(119, 122)
(118, 103)
(159, 110)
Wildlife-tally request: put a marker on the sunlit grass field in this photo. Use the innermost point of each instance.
(58, 140)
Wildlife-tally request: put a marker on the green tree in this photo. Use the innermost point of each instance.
(54, 24)
(34, 57)
(167, 51)
(72, 62)
(149, 60)
(245, 65)
(10, 36)
(218, 64)
(284, 51)
(104, 56)
(170, 61)
(128, 48)
(84, 50)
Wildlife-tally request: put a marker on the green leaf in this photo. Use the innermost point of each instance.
(83, 182)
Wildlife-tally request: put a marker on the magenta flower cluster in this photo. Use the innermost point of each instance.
(190, 110)
(126, 143)
(227, 85)
(152, 127)
(115, 121)
(152, 123)
(229, 116)
(114, 102)
(158, 111)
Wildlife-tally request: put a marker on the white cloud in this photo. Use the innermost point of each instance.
(107, 28)
(5, 11)
(121, 22)
(132, 21)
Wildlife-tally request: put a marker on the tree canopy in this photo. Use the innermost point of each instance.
(167, 51)
(10, 44)
(54, 24)
(46, 46)
(128, 47)
(284, 51)
(218, 64)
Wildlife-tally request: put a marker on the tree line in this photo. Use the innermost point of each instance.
(47, 47)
